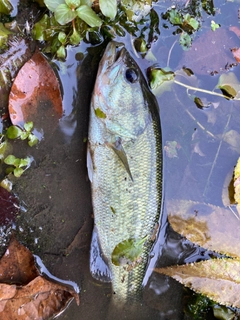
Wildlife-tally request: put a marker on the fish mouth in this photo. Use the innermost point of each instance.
(113, 52)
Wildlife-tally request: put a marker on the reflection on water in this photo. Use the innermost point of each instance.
(56, 189)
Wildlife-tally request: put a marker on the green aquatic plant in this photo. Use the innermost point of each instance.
(69, 20)
(17, 165)
(14, 132)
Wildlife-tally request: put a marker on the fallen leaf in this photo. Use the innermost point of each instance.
(20, 51)
(127, 251)
(218, 279)
(209, 226)
(38, 300)
(17, 264)
(35, 95)
(24, 294)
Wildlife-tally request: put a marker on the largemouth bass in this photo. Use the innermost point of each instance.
(125, 168)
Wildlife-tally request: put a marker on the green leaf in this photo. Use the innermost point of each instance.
(85, 13)
(61, 52)
(53, 4)
(161, 80)
(75, 38)
(159, 75)
(28, 126)
(24, 135)
(5, 7)
(13, 132)
(218, 279)
(100, 114)
(32, 140)
(10, 160)
(24, 162)
(18, 172)
(40, 27)
(127, 251)
(3, 148)
(108, 8)
(63, 14)
(229, 84)
(4, 32)
(185, 41)
(206, 225)
(175, 17)
(191, 21)
(214, 25)
(62, 37)
(73, 4)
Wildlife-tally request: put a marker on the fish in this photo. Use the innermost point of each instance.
(125, 169)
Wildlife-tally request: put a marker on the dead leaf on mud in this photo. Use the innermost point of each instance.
(218, 279)
(211, 53)
(209, 226)
(24, 294)
(35, 95)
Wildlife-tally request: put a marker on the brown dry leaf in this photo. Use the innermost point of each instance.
(35, 94)
(17, 264)
(218, 279)
(24, 294)
(216, 57)
(38, 300)
(209, 226)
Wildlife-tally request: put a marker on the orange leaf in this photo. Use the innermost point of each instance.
(35, 95)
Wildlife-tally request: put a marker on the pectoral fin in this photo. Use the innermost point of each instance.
(119, 151)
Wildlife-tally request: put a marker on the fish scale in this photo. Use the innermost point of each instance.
(125, 207)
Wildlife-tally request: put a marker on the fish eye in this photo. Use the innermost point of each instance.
(131, 75)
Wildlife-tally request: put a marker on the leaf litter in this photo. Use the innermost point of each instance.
(24, 293)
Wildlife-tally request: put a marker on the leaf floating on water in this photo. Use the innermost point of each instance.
(229, 85)
(161, 80)
(127, 251)
(218, 279)
(35, 95)
(209, 226)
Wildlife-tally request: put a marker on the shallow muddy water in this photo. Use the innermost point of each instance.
(56, 221)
